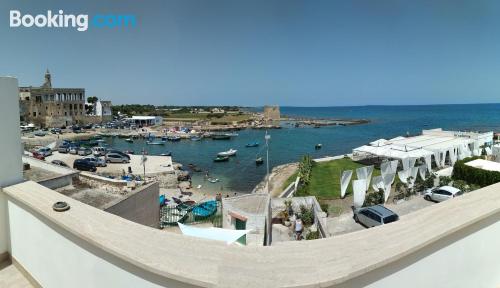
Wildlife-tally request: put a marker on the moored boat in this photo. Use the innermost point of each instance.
(195, 138)
(205, 209)
(230, 152)
(221, 137)
(318, 146)
(259, 161)
(253, 144)
(130, 140)
(213, 180)
(221, 159)
(174, 138)
(155, 142)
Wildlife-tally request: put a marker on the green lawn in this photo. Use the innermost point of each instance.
(325, 178)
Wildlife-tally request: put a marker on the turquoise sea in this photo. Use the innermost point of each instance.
(288, 144)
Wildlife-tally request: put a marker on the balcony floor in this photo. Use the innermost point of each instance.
(11, 277)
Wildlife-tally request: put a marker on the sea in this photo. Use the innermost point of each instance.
(241, 174)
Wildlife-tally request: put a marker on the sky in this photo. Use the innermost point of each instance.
(252, 53)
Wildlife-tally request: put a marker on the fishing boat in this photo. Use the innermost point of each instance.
(221, 159)
(195, 138)
(174, 138)
(166, 154)
(155, 142)
(318, 146)
(230, 152)
(205, 209)
(259, 161)
(130, 140)
(253, 144)
(221, 137)
(213, 180)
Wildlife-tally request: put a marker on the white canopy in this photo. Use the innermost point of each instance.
(379, 142)
(227, 235)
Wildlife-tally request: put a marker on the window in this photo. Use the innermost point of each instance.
(34, 114)
(390, 218)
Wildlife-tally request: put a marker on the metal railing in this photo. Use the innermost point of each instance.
(170, 215)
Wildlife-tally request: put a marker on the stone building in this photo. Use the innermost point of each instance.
(103, 108)
(272, 113)
(46, 106)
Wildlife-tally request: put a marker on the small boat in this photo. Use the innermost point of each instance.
(259, 161)
(213, 180)
(166, 154)
(221, 137)
(318, 146)
(316, 126)
(230, 152)
(205, 209)
(221, 159)
(198, 187)
(254, 144)
(128, 152)
(195, 138)
(174, 138)
(130, 140)
(155, 142)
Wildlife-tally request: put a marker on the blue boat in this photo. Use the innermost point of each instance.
(205, 209)
(254, 144)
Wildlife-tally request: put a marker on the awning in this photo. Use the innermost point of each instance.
(227, 235)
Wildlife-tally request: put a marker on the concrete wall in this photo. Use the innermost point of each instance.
(11, 165)
(468, 258)
(142, 207)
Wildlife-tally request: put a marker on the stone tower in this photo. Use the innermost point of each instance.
(48, 81)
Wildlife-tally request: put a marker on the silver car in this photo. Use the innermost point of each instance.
(116, 158)
(374, 216)
(84, 151)
(98, 162)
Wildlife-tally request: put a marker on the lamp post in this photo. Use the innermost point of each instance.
(267, 137)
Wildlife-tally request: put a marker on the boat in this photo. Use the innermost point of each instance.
(130, 140)
(221, 137)
(230, 152)
(174, 138)
(259, 161)
(166, 154)
(195, 138)
(221, 159)
(213, 180)
(205, 209)
(253, 144)
(318, 146)
(155, 142)
(128, 152)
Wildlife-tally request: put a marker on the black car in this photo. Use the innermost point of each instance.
(119, 152)
(59, 162)
(84, 165)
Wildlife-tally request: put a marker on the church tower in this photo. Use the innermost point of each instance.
(48, 81)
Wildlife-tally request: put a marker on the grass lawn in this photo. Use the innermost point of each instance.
(325, 178)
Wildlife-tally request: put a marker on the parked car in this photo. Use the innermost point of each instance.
(83, 151)
(374, 216)
(59, 163)
(440, 194)
(84, 165)
(99, 151)
(76, 129)
(38, 156)
(116, 158)
(44, 151)
(73, 149)
(63, 148)
(56, 131)
(99, 162)
(119, 152)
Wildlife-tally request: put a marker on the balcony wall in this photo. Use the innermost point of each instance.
(451, 244)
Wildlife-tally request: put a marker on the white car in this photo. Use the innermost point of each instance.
(440, 194)
(98, 162)
(44, 151)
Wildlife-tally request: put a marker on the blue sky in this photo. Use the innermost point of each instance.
(286, 52)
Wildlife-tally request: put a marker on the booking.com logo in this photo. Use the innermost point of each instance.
(61, 20)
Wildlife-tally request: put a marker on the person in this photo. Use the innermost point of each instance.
(298, 228)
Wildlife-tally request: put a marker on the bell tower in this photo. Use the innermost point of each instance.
(48, 80)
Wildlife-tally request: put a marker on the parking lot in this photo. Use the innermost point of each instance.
(154, 164)
(345, 223)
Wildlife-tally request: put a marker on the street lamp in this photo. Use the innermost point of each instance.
(267, 137)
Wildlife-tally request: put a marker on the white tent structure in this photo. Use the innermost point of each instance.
(227, 235)
(359, 190)
(344, 182)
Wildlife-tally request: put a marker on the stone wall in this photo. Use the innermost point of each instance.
(142, 206)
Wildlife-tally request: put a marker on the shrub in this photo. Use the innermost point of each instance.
(307, 215)
(374, 198)
(324, 207)
(445, 180)
(474, 175)
(429, 181)
(312, 235)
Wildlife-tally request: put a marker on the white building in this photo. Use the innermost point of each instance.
(103, 108)
(146, 120)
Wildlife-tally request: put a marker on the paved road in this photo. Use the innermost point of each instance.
(345, 223)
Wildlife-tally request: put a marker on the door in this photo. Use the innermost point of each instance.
(241, 225)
